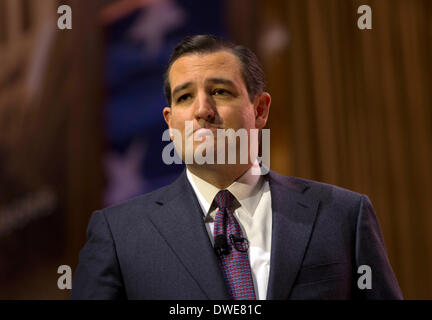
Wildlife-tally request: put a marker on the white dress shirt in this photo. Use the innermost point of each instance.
(254, 216)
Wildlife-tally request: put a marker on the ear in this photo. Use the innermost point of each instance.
(262, 109)
(167, 115)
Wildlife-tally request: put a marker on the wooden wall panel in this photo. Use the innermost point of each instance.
(355, 107)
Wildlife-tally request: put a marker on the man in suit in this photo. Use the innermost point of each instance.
(221, 231)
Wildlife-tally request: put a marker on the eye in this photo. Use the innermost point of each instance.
(183, 97)
(221, 92)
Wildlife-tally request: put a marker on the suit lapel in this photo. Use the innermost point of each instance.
(293, 218)
(180, 222)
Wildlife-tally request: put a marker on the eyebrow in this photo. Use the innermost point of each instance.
(221, 81)
(211, 80)
(181, 87)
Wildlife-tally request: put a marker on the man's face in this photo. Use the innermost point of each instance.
(209, 90)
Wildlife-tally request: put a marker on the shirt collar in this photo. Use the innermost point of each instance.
(247, 190)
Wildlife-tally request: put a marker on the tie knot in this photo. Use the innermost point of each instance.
(224, 199)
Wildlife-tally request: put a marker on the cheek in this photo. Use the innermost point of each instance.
(177, 120)
(245, 119)
(177, 124)
(176, 128)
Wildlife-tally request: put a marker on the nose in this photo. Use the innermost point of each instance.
(204, 108)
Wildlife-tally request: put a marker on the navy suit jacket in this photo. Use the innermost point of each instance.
(156, 246)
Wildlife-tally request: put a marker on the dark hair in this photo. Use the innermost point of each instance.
(252, 71)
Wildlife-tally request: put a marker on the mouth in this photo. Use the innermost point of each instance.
(210, 127)
(205, 131)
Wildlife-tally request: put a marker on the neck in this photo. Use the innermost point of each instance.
(221, 176)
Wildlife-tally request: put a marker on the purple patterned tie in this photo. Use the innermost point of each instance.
(235, 262)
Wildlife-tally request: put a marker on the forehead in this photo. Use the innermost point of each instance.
(197, 66)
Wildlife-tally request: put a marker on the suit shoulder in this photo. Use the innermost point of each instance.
(141, 204)
(325, 192)
(335, 190)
